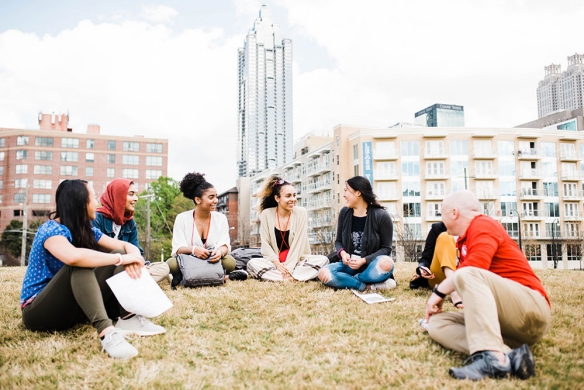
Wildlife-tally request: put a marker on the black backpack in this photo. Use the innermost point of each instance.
(243, 255)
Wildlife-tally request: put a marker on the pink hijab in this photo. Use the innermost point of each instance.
(113, 201)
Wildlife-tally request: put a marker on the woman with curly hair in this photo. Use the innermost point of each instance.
(202, 232)
(363, 244)
(284, 237)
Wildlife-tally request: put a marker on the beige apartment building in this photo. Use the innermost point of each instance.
(531, 180)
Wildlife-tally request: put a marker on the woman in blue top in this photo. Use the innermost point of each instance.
(363, 244)
(64, 284)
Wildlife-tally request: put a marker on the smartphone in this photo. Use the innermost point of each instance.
(426, 270)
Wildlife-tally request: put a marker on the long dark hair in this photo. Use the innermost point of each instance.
(362, 184)
(194, 185)
(269, 192)
(72, 197)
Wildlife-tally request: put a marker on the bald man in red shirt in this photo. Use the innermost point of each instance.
(505, 304)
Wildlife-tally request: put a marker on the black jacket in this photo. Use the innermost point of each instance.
(428, 253)
(377, 236)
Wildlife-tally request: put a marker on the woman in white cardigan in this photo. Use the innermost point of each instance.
(284, 237)
(202, 232)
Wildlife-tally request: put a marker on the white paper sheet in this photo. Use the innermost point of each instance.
(372, 297)
(140, 296)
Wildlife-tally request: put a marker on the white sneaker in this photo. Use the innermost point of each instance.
(139, 325)
(169, 278)
(115, 344)
(387, 285)
(423, 324)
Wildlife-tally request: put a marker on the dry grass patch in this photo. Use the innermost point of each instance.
(295, 335)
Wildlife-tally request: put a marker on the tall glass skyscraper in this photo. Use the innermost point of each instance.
(440, 115)
(561, 90)
(265, 98)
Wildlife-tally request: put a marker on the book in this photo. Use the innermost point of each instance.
(372, 297)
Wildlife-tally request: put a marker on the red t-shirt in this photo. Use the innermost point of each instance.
(487, 245)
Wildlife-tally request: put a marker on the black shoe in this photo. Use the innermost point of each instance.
(238, 275)
(522, 362)
(483, 365)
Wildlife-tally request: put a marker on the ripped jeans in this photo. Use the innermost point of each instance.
(343, 276)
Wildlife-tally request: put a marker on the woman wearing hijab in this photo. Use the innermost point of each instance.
(115, 218)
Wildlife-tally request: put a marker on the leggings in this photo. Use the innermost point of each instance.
(75, 295)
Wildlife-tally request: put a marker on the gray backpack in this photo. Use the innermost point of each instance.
(198, 272)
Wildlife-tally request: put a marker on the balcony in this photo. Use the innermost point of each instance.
(572, 195)
(318, 186)
(388, 195)
(569, 155)
(382, 174)
(320, 238)
(434, 195)
(487, 194)
(436, 175)
(531, 194)
(480, 154)
(435, 154)
(530, 174)
(528, 154)
(434, 216)
(573, 216)
(570, 176)
(319, 204)
(482, 175)
(385, 154)
(318, 168)
(532, 215)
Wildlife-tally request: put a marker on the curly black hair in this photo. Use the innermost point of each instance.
(194, 185)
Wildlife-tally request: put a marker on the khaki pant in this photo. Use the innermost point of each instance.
(159, 271)
(499, 314)
(306, 269)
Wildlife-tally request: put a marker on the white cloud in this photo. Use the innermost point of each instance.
(158, 13)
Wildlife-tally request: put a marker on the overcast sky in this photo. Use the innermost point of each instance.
(169, 68)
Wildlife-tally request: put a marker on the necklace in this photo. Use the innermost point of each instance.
(283, 232)
(201, 226)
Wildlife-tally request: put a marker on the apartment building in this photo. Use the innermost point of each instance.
(531, 180)
(34, 162)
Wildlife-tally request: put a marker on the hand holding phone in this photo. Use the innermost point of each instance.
(426, 273)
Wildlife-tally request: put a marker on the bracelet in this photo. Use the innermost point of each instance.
(193, 250)
(441, 295)
(121, 260)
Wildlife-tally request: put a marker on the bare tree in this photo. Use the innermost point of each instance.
(409, 239)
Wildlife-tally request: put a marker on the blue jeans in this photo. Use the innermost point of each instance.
(343, 276)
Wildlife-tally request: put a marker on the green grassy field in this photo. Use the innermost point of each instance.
(291, 336)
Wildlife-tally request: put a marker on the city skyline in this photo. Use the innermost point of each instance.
(169, 70)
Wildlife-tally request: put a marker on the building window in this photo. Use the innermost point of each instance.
(1, 170)
(111, 145)
(70, 143)
(2, 142)
(19, 197)
(355, 152)
(43, 141)
(154, 148)
(22, 140)
(2, 155)
(410, 148)
(573, 251)
(18, 213)
(512, 229)
(131, 146)
(153, 174)
(411, 188)
(89, 157)
(70, 156)
(111, 158)
(90, 144)
(153, 161)
(68, 170)
(533, 252)
(128, 173)
(110, 172)
(412, 210)
(20, 183)
(130, 160)
(88, 171)
(21, 154)
(43, 170)
(42, 184)
(42, 155)
(41, 198)
(411, 168)
(0, 199)
(1, 184)
(21, 169)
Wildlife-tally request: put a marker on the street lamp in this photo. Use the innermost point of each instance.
(555, 224)
(519, 224)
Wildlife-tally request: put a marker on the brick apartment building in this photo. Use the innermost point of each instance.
(34, 162)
